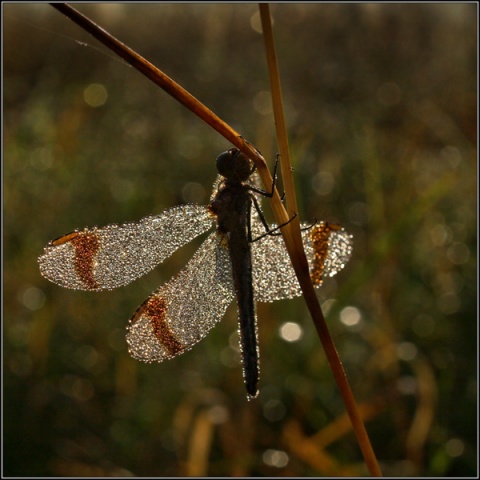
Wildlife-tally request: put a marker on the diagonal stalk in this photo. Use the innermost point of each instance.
(180, 94)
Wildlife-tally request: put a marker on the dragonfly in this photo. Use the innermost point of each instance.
(242, 259)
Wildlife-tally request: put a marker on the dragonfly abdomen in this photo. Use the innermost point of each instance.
(241, 258)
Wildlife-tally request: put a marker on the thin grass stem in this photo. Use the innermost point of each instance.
(294, 245)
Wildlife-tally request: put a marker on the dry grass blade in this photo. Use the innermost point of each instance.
(180, 94)
(297, 254)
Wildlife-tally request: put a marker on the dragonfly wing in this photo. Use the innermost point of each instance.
(327, 247)
(182, 311)
(115, 255)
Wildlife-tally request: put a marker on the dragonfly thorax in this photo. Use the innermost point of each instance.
(230, 205)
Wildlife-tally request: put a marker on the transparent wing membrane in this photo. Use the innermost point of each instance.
(115, 255)
(182, 311)
(327, 247)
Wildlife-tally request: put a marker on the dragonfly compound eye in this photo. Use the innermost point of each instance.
(234, 165)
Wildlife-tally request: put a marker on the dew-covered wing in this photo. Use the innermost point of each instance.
(327, 246)
(182, 311)
(115, 255)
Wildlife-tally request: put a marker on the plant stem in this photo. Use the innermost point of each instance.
(180, 94)
(299, 260)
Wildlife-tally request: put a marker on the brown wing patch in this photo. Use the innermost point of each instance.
(320, 236)
(155, 308)
(86, 247)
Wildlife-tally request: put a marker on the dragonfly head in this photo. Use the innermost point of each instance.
(234, 165)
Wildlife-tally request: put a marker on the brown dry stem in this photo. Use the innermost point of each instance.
(294, 246)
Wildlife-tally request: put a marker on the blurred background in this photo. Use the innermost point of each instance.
(381, 104)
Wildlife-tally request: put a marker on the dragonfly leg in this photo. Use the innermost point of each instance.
(310, 226)
(265, 193)
(268, 230)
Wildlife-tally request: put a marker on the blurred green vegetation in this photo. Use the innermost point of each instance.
(381, 108)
